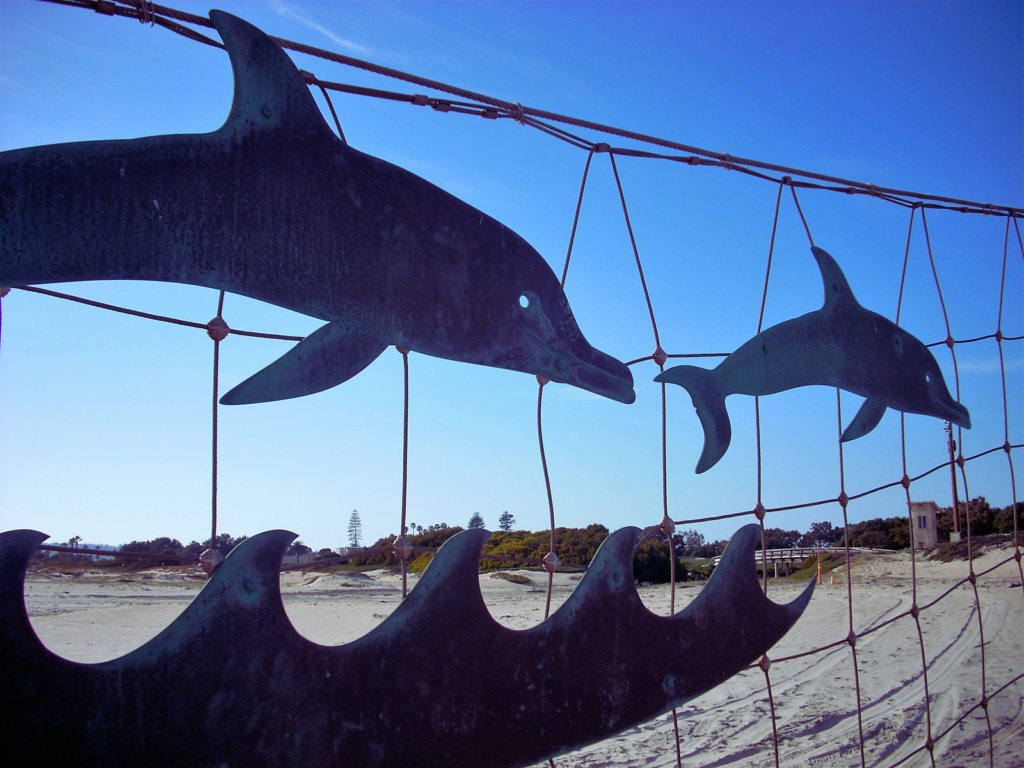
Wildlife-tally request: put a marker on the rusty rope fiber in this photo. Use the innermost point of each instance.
(823, 502)
(973, 579)
(759, 507)
(285, 337)
(143, 8)
(759, 510)
(514, 110)
(576, 217)
(957, 722)
(765, 665)
(852, 634)
(1006, 420)
(216, 385)
(337, 122)
(525, 111)
(636, 253)
(149, 315)
(405, 460)
(891, 620)
(547, 485)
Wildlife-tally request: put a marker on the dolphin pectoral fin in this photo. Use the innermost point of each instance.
(867, 418)
(324, 359)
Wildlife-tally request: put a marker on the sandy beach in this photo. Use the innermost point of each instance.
(90, 614)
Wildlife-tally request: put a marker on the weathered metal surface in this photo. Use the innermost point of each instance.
(438, 683)
(275, 207)
(840, 345)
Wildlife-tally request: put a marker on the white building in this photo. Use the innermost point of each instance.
(926, 535)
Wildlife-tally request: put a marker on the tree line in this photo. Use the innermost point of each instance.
(579, 545)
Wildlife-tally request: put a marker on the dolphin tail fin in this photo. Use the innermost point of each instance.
(324, 359)
(867, 418)
(709, 402)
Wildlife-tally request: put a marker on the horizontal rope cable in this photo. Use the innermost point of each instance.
(519, 112)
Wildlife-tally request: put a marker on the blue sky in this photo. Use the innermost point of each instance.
(106, 418)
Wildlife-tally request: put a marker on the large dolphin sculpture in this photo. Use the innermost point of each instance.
(840, 345)
(438, 683)
(274, 206)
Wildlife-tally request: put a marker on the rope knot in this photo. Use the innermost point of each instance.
(147, 11)
(217, 329)
(659, 356)
(551, 562)
(843, 499)
(402, 548)
(905, 481)
(759, 511)
(667, 526)
(602, 147)
(764, 663)
(517, 113)
(727, 162)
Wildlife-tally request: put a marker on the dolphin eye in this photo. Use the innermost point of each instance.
(897, 341)
(524, 301)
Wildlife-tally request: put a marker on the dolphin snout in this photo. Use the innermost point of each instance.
(579, 364)
(946, 407)
(601, 374)
(957, 414)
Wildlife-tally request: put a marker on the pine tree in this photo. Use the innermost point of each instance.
(506, 521)
(476, 521)
(355, 529)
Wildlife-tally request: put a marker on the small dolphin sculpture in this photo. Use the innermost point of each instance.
(840, 345)
(437, 683)
(275, 207)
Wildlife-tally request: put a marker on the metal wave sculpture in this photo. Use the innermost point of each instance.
(840, 345)
(275, 207)
(438, 683)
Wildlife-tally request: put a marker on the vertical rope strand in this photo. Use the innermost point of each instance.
(1006, 420)
(906, 258)
(576, 216)
(216, 387)
(765, 664)
(851, 636)
(981, 628)
(547, 485)
(337, 122)
(759, 507)
(799, 210)
(405, 460)
(636, 253)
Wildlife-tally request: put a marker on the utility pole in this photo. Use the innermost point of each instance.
(954, 537)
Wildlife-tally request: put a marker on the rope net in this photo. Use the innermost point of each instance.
(937, 709)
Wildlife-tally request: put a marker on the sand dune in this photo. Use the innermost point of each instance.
(92, 615)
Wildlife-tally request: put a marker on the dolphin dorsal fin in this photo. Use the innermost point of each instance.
(269, 91)
(837, 290)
